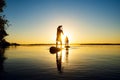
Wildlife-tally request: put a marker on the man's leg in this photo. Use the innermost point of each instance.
(56, 43)
(60, 42)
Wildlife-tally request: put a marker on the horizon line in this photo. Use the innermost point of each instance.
(69, 44)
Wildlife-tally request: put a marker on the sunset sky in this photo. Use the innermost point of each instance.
(84, 21)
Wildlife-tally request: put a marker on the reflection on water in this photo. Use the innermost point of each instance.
(59, 61)
(61, 56)
(67, 53)
(2, 59)
(75, 63)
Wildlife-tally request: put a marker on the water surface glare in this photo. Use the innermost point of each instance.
(78, 62)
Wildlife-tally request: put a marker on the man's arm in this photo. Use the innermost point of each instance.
(62, 32)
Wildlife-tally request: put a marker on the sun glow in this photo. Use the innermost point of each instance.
(68, 25)
(64, 36)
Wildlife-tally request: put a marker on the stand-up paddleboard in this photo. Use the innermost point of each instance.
(67, 46)
(54, 49)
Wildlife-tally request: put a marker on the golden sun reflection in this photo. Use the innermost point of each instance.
(62, 59)
(64, 36)
(63, 55)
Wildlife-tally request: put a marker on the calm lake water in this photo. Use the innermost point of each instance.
(80, 62)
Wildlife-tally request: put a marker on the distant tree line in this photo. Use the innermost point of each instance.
(3, 25)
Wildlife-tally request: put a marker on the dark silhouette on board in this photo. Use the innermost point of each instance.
(59, 34)
(66, 41)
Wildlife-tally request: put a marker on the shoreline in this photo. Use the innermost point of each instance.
(15, 44)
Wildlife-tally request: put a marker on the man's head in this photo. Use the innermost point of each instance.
(59, 26)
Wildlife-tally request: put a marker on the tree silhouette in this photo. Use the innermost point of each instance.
(3, 25)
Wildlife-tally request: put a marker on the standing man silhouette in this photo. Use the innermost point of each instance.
(59, 33)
